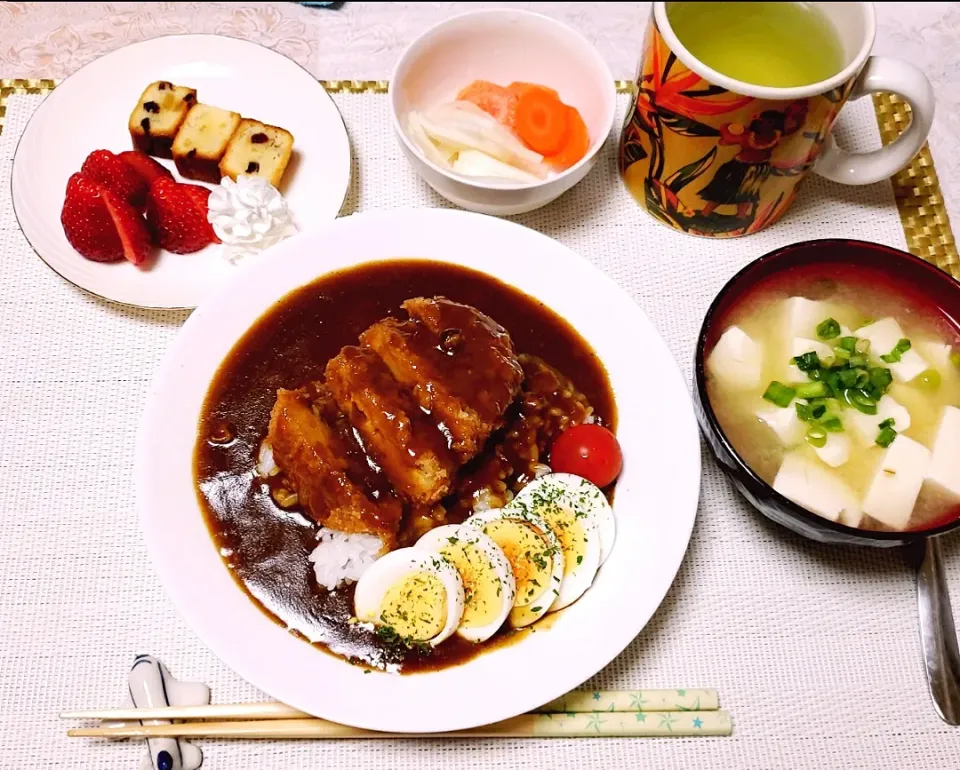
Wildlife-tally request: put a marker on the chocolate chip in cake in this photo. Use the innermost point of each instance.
(190, 97)
(164, 85)
(145, 125)
(258, 138)
(151, 107)
(253, 167)
(192, 153)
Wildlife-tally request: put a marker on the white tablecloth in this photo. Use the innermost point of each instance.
(814, 649)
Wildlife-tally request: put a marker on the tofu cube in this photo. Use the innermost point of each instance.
(897, 481)
(945, 462)
(836, 451)
(937, 353)
(736, 360)
(803, 316)
(798, 347)
(852, 516)
(883, 336)
(784, 422)
(813, 487)
(865, 427)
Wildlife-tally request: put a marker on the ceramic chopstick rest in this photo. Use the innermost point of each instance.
(152, 686)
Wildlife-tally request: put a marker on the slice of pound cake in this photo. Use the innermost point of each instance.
(159, 113)
(257, 149)
(202, 141)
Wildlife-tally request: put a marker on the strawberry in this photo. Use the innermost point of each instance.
(144, 165)
(177, 215)
(111, 171)
(101, 225)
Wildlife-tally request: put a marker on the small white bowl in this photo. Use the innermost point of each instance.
(501, 46)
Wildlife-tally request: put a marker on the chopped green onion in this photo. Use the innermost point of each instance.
(828, 329)
(818, 411)
(860, 401)
(886, 436)
(808, 362)
(863, 378)
(779, 394)
(929, 379)
(816, 436)
(888, 423)
(832, 424)
(848, 378)
(842, 353)
(898, 350)
(811, 390)
(858, 361)
(848, 343)
(803, 411)
(880, 378)
(862, 346)
(832, 378)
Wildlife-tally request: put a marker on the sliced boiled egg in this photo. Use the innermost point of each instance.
(535, 557)
(582, 495)
(489, 587)
(581, 518)
(416, 593)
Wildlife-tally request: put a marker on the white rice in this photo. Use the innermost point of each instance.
(266, 465)
(340, 558)
(481, 501)
(541, 469)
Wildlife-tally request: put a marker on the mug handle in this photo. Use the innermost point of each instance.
(882, 74)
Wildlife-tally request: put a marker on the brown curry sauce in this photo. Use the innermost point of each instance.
(265, 546)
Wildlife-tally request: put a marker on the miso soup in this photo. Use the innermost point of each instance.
(842, 391)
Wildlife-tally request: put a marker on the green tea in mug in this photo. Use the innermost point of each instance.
(782, 45)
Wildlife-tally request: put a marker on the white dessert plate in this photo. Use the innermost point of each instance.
(655, 503)
(89, 111)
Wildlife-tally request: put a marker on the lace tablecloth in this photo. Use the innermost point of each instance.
(814, 649)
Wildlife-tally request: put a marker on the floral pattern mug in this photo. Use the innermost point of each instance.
(712, 156)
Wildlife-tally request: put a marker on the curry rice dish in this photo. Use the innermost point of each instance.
(373, 406)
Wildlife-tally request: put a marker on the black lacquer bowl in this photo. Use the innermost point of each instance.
(936, 287)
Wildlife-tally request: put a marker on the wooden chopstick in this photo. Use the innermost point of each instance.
(553, 725)
(577, 702)
(266, 710)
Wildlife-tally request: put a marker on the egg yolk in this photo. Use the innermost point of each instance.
(531, 559)
(481, 586)
(415, 606)
(566, 526)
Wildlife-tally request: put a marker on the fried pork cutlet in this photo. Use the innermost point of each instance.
(400, 438)
(458, 363)
(549, 403)
(315, 458)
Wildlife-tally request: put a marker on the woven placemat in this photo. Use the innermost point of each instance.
(916, 188)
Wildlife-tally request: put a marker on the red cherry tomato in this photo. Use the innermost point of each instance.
(589, 451)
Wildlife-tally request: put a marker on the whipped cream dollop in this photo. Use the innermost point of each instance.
(248, 216)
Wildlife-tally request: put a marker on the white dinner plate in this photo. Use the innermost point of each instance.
(655, 502)
(89, 111)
